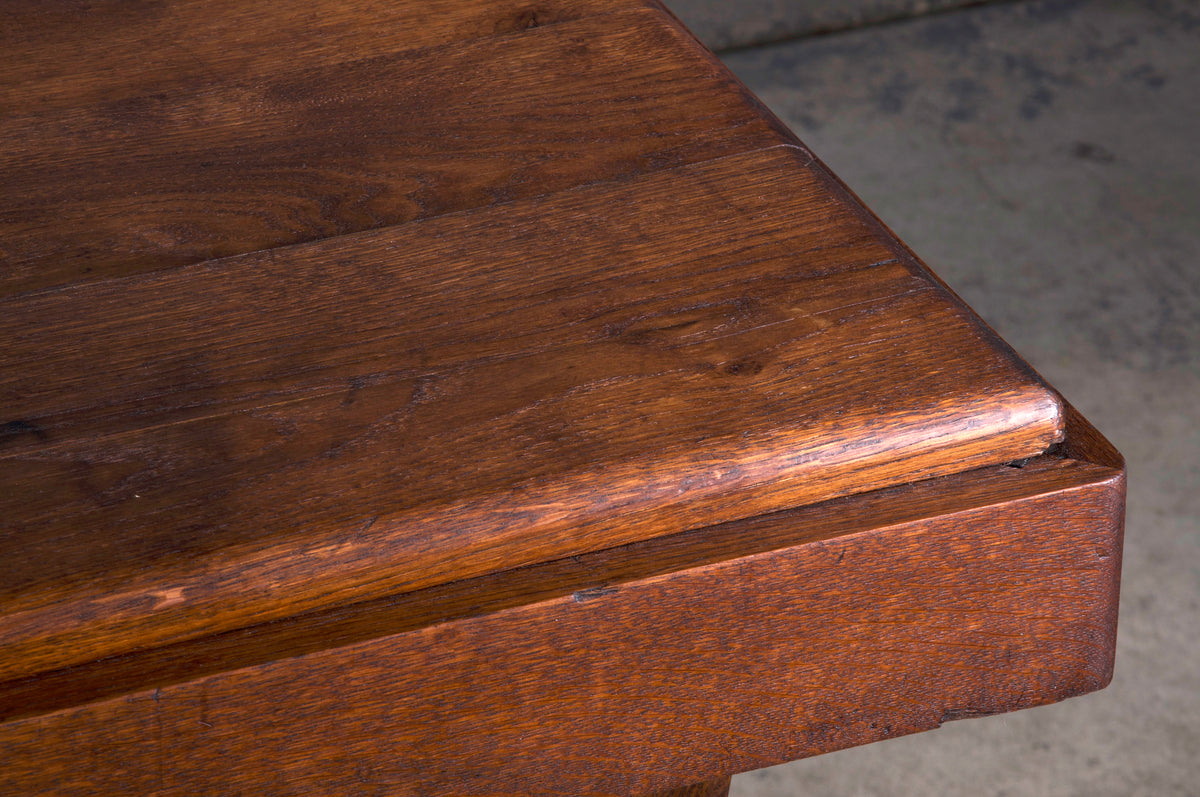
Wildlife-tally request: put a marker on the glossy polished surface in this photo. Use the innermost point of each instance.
(502, 370)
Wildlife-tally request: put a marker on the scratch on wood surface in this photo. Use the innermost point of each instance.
(592, 593)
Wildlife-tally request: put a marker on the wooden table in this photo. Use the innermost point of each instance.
(489, 398)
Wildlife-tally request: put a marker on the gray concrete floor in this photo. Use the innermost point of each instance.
(722, 24)
(1044, 158)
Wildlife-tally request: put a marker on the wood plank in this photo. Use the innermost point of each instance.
(286, 149)
(236, 441)
(712, 788)
(65, 53)
(732, 648)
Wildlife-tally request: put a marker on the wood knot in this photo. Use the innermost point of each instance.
(744, 366)
(14, 429)
(527, 19)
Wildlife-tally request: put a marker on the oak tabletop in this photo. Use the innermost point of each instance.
(303, 308)
(489, 397)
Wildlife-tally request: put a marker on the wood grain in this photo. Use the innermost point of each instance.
(131, 178)
(65, 53)
(585, 574)
(269, 439)
(352, 623)
(642, 668)
(489, 398)
(713, 788)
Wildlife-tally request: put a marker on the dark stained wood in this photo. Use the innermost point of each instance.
(712, 652)
(713, 788)
(289, 149)
(1085, 443)
(584, 574)
(489, 398)
(66, 53)
(270, 440)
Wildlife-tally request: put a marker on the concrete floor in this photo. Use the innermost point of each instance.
(722, 24)
(1044, 158)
